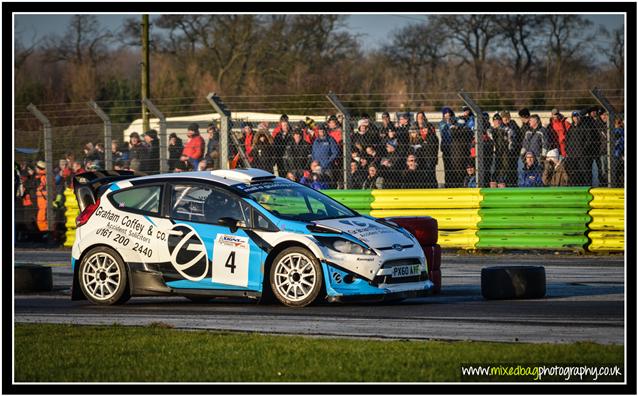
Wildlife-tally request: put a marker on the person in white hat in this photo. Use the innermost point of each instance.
(554, 174)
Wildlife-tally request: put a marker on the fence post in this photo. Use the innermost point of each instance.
(478, 137)
(162, 134)
(108, 156)
(224, 113)
(611, 110)
(48, 159)
(347, 149)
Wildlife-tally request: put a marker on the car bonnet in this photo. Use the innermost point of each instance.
(370, 232)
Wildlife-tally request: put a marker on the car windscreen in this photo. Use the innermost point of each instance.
(293, 201)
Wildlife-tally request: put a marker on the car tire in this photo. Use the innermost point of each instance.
(513, 282)
(296, 278)
(103, 277)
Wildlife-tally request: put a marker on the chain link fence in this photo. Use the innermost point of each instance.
(374, 141)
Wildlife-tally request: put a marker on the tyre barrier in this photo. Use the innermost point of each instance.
(33, 278)
(607, 228)
(71, 213)
(513, 282)
(562, 218)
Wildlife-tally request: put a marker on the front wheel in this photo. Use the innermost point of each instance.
(295, 277)
(103, 278)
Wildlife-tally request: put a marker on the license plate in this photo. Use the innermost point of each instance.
(402, 271)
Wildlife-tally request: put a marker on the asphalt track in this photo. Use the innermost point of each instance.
(584, 302)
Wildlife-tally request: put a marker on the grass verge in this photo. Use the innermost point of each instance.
(55, 353)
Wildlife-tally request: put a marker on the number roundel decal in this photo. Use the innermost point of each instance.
(188, 253)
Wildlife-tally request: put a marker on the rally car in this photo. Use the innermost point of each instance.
(241, 232)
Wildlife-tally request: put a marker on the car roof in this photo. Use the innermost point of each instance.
(227, 177)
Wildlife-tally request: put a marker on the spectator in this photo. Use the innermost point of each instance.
(202, 166)
(292, 176)
(334, 130)
(514, 149)
(282, 119)
(324, 149)
(488, 150)
(138, 152)
(152, 164)
(175, 149)
(468, 116)
(118, 153)
(386, 125)
(297, 153)
(184, 165)
(444, 130)
(391, 166)
(357, 175)
(459, 152)
(281, 141)
(618, 163)
(212, 146)
(195, 147)
(262, 151)
(99, 153)
(598, 134)
(554, 173)
(318, 182)
(580, 150)
(558, 127)
(504, 167)
(41, 195)
(535, 138)
(364, 137)
(90, 154)
(373, 181)
(531, 174)
(428, 155)
(402, 131)
(470, 177)
(412, 176)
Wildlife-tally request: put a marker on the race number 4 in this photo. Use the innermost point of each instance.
(230, 260)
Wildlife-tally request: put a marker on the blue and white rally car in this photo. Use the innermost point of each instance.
(233, 233)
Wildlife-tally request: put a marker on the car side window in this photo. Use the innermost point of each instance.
(205, 204)
(145, 199)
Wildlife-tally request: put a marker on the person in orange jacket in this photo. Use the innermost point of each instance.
(41, 196)
(195, 146)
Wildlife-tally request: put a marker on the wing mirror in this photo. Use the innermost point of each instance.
(231, 223)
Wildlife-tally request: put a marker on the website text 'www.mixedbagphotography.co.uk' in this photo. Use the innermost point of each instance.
(541, 372)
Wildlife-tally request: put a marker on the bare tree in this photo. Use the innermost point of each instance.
(522, 33)
(84, 41)
(475, 34)
(565, 39)
(417, 50)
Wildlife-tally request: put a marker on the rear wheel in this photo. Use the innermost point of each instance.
(296, 278)
(103, 277)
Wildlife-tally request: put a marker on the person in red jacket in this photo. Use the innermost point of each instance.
(195, 147)
(559, 125)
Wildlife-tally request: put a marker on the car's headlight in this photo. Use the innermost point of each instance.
(343, 245)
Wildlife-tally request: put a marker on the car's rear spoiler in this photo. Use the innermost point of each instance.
(87, 184)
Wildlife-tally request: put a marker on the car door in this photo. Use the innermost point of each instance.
(205, 254)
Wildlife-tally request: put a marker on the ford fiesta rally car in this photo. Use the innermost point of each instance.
(233, 233)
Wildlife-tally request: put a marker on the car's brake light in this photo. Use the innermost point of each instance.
(86, 214)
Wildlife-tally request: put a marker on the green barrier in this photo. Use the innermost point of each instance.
(567, 197)
(518, 233)
(547, 221)
(554, 243)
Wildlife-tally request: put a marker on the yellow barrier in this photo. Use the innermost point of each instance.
(608, 219)
(607, 241)
(465, 239)
(72, 211)
(426, 199)
(448, 219)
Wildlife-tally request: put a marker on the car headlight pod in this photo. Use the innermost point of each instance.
(343, 245)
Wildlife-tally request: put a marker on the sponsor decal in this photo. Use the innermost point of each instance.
(188, 253)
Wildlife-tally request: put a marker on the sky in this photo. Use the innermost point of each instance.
(374, 30)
